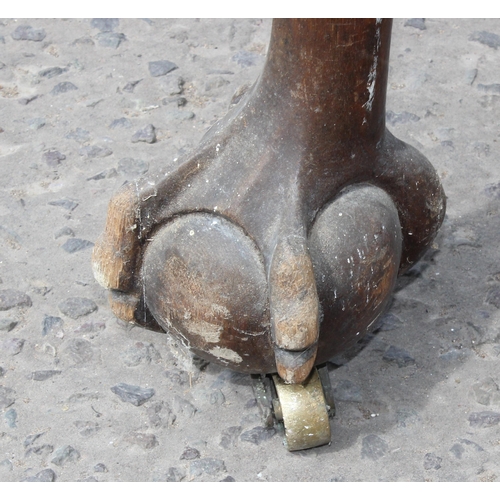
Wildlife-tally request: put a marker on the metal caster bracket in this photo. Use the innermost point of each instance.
(302, 410)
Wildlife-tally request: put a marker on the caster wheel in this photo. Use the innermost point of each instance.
(304, 411)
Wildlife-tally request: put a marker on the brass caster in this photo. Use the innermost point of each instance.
(304, 411)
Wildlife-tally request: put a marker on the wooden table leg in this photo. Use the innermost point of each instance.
(277, 243)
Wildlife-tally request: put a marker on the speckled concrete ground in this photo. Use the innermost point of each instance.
(420, 401)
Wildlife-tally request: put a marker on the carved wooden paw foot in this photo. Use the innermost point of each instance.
(277, 243)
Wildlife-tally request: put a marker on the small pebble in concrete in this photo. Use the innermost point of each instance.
(229, 437)
(120, 123)
(160, 414)
(144, 440)
(104, 25)
(79, 135)
(64, 231)
(245, 58)
(82, 397)
(180, 101)
(465, 445)
(130, 86)
(173, 475)
(215, 82)
(177, 377)
(111, 40)
(145, 134)
(133, 393)
(486, 38)
(407, 418)
(208, 466)
(493, 296)
(183, 407)
(64, 455)
(484, 419)
(64, 203)
(7, 324)
(92, 103)
(487, 392)
(53, 158)
(80, 350)
(44, 476)
(190, 454)
(95, 152)
(258, 434)
(13, 298)
(50, 349)
(52, 72)
(52, 325)
(42, 375)
(399, 356)
(472, 445)
(26, 100)
(470, 76)
(76, 307)
(90, 327)
(493, 190)
(139, 353)
(173, 85)
(43, 450)
(132, 167)
(373, 447)
(404, 117)
(42, 290)
(160, 68)
(418, 23)
(105, 174)
(6, 465)
(432, 461)
(457, 450)
(32, 438)
(11, 418)
(493, 88)
(73, 245)
(83, 41)
(13, 346)
(217, 397)
(388, 322)
(100, 468)
(453, 354)
(181, 115)
(26, 32)
(201, 364)
(10, 236)
(36, 123)
(86, 428)
(63, 87)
